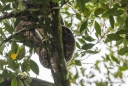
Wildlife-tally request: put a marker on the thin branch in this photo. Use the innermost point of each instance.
(10, 37)
(39, 82)
(10, 15)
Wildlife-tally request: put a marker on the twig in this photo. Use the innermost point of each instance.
(10, 37)
(10, 15)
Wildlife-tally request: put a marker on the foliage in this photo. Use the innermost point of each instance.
(96, 24)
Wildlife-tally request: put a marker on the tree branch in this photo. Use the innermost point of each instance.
(35, 82)
(57, 61)
(39, 82)
(10, 37)
(10, 15)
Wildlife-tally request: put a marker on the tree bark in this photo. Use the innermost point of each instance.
(57, 61)
(35, 82)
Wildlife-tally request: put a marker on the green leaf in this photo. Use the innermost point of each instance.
(14, 82)
(21, 53)
(83, 26)
(123, 51)
(76, 75)
(63, 2)
(25, 65)
(111, 20)
(102, 1)
(21, 5)
(7, 74)
(107, 57)
(75, 55)
(87, 46)
(122, 32)
(2, 63)
(94, 1)
(34, 67)
(69, 24)
(77, 45)
(78, 16)
(1, 79)
(117, 5)
(119, 74)
(115, 59)
(2, 48)
(107, 40)
(126, 23)
(20, 37)
(6, 7)
(89, 38)
(12, 64)
(92, 76)
(119, 42)
(111, 3)
(20, 83)
(83, 71)
(28, 79)
(105, 6)
(120, 21)
(1, 30)
(14, 47)
(81, 5)
(82, 41)
(96, 65)
(124, 1)
(9, 28)
(110, 11)
(122, 68)
(26, 83)
(78, 62)
(18, 19)
(125, 42)
(118, 12)
(99, 11)
(29, 44)
(114, 37)
(97, 28)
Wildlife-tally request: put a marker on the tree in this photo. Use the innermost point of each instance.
(93, 22)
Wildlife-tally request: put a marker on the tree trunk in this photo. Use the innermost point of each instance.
(57, 61)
